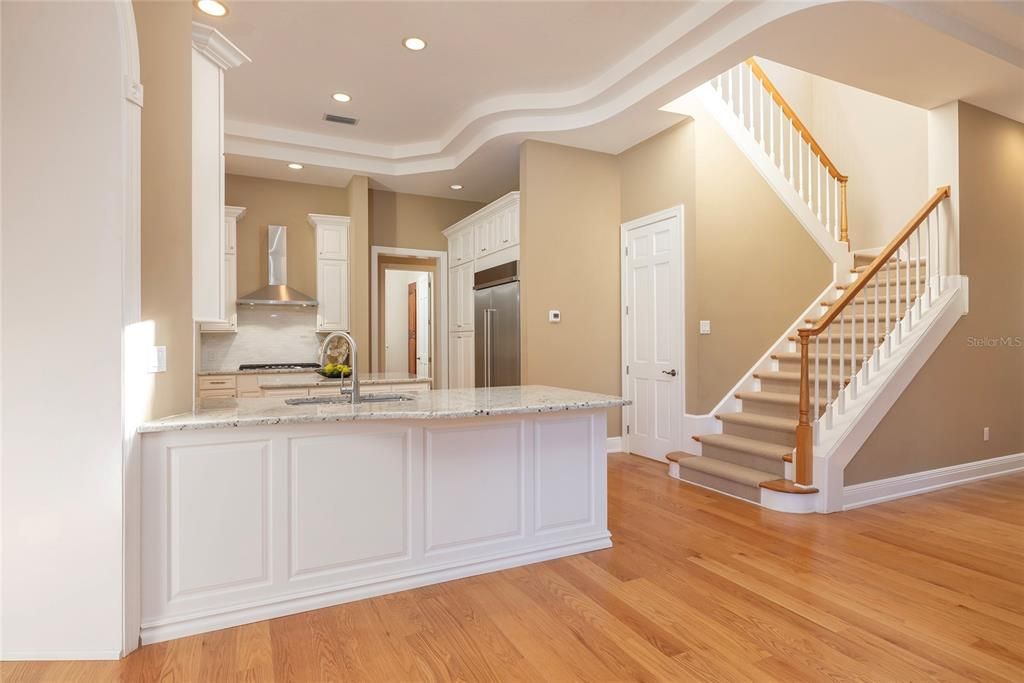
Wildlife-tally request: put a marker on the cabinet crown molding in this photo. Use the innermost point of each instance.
(235, 212)
(493, 207)
(319, 219)
(212, 44)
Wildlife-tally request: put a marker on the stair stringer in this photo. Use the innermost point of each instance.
(835, 447)
(837, 252)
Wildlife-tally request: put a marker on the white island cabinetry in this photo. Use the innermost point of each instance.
(259, 509)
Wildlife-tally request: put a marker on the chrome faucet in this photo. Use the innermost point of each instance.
(352, 355)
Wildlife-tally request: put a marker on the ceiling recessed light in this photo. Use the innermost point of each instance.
(456, 186)
(341, 97)
(295, 167)
(212, 7)
(415, 44)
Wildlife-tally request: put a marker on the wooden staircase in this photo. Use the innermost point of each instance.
(757, 442)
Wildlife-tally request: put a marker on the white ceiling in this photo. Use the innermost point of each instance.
(588, 74)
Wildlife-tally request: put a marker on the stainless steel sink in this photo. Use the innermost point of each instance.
(347, 398)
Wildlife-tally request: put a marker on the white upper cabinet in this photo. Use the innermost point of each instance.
(232, 214)
(486, 238)
(212, 54)
(332, 271)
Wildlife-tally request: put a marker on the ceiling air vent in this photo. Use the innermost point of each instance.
(347, 120)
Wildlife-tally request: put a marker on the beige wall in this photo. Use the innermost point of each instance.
(359, 259)
(279, 202)
(881, 144)
(569, 247)
(414, 221)
(963, 388)
(751, 268)
(164, 33)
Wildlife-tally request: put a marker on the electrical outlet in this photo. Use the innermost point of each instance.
(984, 434)
(157, 359)
(705, 327)
(554, 316)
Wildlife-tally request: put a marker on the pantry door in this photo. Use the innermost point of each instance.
(652, 333)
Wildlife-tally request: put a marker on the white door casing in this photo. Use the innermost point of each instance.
(652, 333)
(424, 330)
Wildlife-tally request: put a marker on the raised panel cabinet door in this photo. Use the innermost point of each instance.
(454, 300)
(466, 241)
(483, 235)
(468, 353)
(466, 292)
(332, 242)
(332, 295)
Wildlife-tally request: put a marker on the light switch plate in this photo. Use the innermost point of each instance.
(705, 327)
(157, 359)
(554, 316)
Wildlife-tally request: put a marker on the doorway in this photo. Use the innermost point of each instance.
(652, 333)
(406, 321)
(407, 313)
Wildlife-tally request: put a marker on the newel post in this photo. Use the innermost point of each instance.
(844, 225)
(804, 460)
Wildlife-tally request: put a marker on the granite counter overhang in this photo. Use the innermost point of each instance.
(444, 404)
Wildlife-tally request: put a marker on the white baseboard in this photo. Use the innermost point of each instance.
(614, 444)
(871, 492)
(58, 655)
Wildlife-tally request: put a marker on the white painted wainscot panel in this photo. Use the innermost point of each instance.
(244, 524)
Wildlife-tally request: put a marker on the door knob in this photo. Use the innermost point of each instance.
(671, 372)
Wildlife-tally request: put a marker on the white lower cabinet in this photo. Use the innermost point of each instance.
(461, 352)
(460, 297)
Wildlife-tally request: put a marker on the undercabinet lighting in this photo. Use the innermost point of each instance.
(341, 97)
(415, 44)
(212, 7)
(295, 167)
(456, 187)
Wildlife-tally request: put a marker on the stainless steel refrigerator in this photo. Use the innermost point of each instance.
(496, 323)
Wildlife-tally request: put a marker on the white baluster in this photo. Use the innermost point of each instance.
(750, 82)
(821, 169)
(842, 361)
(940, 267)
(876, 353)
(899, 325)
(792, 130)
(771, 135)
(800, 167)
(828, 389)
(853, 349)
(864, 349)
(917, 286)
(817, 360)
(931, 260)
(760, 110)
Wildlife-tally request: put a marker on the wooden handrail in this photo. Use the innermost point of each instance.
(883, 257)
(805, 133)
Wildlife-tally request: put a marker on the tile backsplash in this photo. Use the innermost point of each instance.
(266, 334)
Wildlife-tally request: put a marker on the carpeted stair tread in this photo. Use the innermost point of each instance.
(726, 470)
(745, 445)
(780, 424)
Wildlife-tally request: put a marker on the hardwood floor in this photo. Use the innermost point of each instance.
(698, 587)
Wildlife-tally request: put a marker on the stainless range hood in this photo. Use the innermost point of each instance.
(277, 292)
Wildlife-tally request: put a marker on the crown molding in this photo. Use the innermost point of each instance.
(322, 219)
(235, 212)
(212, 44)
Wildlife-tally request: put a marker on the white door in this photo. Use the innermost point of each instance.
(653, 333)
(424, 330)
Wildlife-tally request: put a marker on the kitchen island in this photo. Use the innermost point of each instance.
(253, 508)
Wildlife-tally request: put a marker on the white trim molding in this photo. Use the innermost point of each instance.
(871, 492)
(615, 444)
(213, 45)
(439, 366)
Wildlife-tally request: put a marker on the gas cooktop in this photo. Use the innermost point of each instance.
(278, 366)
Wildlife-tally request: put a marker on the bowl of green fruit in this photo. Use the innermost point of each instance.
(335, 371)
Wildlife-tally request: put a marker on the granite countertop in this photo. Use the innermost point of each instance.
(284, 383)
(425, 405)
